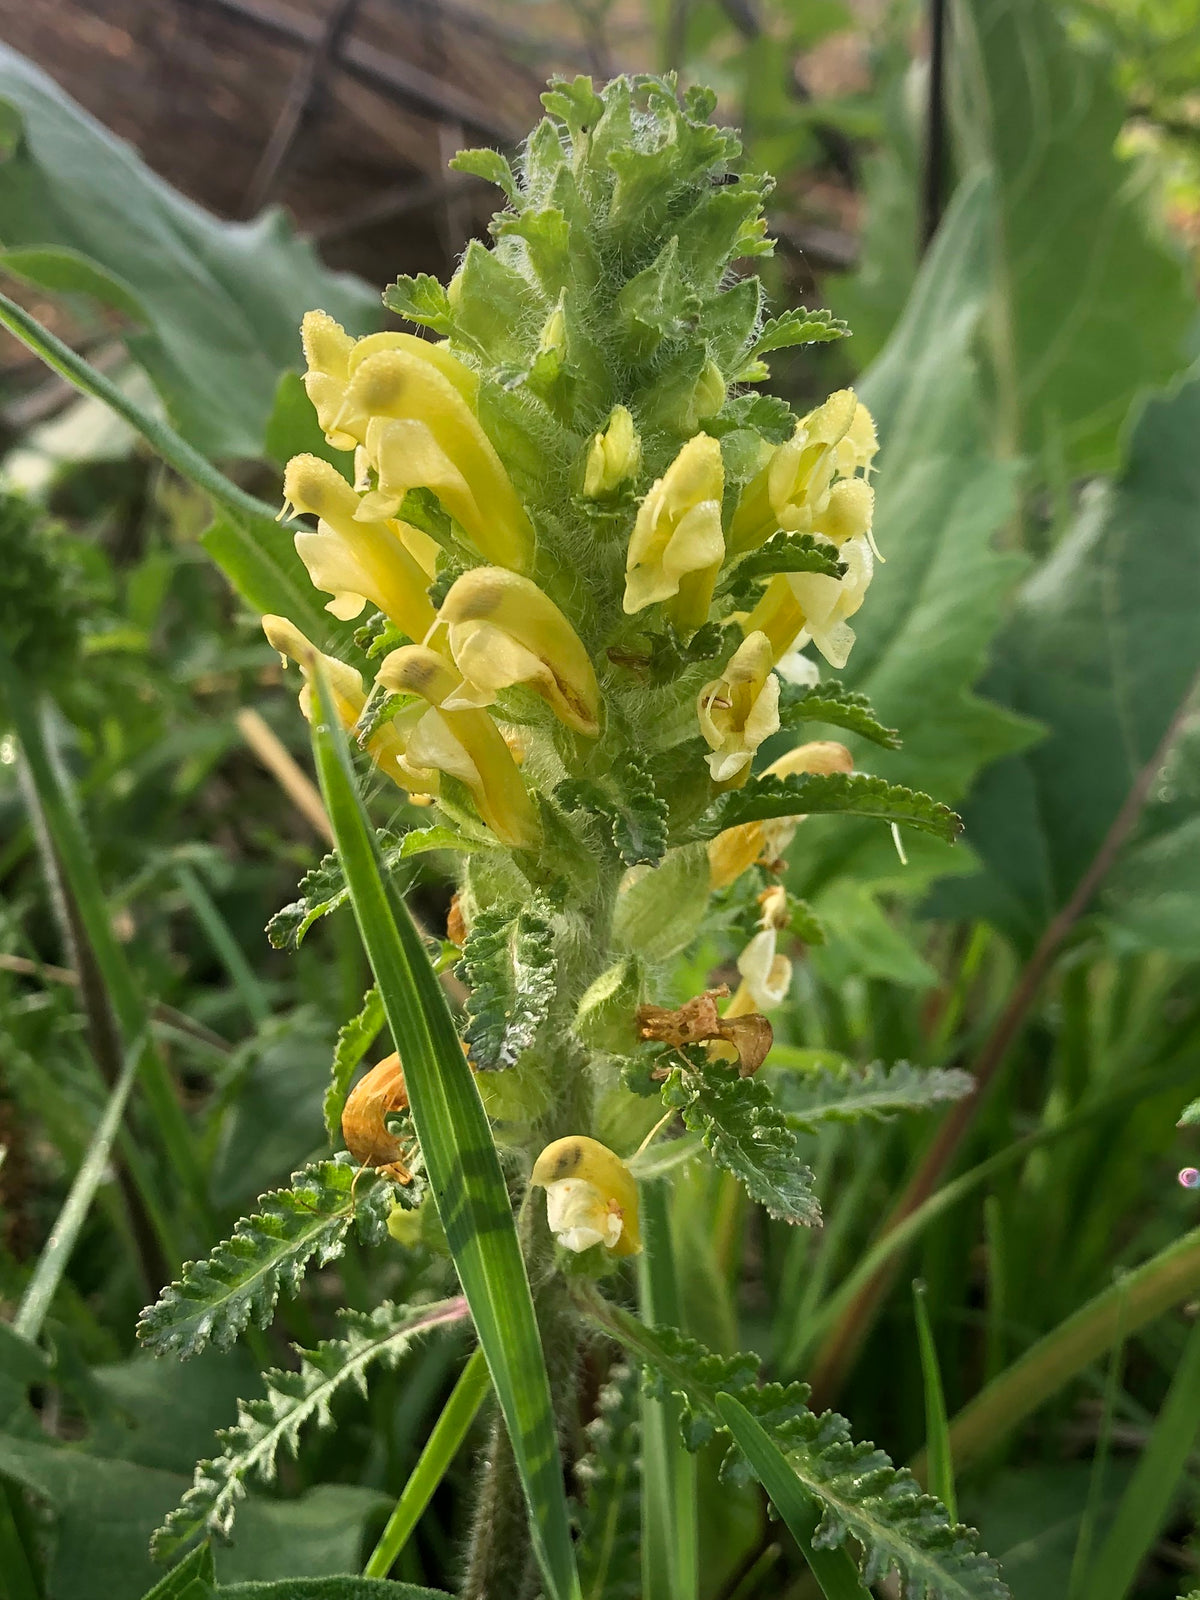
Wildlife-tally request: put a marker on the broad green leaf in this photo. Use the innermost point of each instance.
(258, 557)
(219, 303)
(1096, 306)
(1102, 648)
(103, 1509)
(460, 1159)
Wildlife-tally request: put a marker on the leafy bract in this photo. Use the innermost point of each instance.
(266, 1256)
(509, 965)
(798, 326)
(832, 703)
(802, 793)
(745, 1133)
(213, 307)
(292, 1400)
(322, 890)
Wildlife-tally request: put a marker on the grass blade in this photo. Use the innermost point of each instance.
(440, 1450)
(670, 1535)
(1147, 1502)
(460, 1157)
(1115, 1313)
(937, 1432)
(52, 1263)
(834, 1570)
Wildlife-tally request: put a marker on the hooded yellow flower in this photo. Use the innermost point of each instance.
(503, 630)
(419, 430)
(466, 744)
(766, 975)
(740, 709)
(677, 546)
(809, 484)
(591, 1196)
(353, 560)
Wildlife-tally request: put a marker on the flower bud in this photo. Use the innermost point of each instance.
(327, 348)
(386, 744)
(591, 1196)
(353, 560)
(677, 545)
(503, 630)
(740, 709)
(615, 456)
(420, 431)
(466, 744)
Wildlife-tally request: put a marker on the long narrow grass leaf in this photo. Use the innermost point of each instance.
(460, 1157)
(441, 1447)
(937, 1436)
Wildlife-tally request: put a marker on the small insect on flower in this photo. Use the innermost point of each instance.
(378, 1095)
(591, 1196)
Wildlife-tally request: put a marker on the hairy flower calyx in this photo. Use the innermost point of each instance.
(591, 1196)
(503, 630)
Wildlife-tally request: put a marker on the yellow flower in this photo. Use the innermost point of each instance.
(677, 545)
(386, 745)
(332, 356)
(353, 560)
(466, 744)
(503, 630)
(615, 456)
(419, 430)
(732, 852)
(591, 1196)
(740, 709)
(809, 483)
(766, 975)
(799, 606)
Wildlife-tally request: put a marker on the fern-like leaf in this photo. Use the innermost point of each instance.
(862, 1496)
(324, 890)
(838, 706)
(267, 1255)
(744, 1132)
(806, 793)
(354, 1039)
(799, 327)
(610, 1475)
(293, 1399)
(508, 964)
(636, 815)
(808, 1099)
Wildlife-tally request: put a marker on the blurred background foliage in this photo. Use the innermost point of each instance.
(1003, 196)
